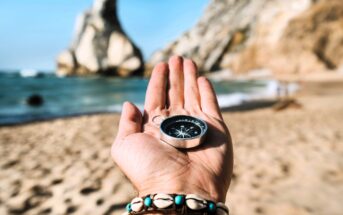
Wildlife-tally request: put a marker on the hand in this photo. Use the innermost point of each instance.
(156, 167)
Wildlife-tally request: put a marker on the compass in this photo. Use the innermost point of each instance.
(183, 131)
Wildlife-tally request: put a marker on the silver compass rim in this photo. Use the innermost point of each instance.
(203, 131)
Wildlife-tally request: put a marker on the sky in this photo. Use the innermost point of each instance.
(34, 32)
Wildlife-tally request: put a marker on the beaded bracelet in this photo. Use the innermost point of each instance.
(175, 204)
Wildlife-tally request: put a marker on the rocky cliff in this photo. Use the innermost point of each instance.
(293, 36)
(100, 45)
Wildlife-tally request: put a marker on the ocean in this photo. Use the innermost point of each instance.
(69, 96)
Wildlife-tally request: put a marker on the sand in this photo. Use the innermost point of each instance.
(286, 162)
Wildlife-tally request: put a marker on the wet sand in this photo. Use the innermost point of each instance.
(286, 162)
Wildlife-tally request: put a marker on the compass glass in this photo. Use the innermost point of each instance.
(183, 127)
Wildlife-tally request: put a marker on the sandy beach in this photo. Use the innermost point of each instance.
(286, 162)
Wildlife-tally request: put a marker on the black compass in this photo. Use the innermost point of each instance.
(183, 131)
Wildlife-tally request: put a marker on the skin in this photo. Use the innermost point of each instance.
(156, 167)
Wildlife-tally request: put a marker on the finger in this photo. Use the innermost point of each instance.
(175, 91)
(209, 103)
(155, 97)
(191, 92)
(130, 120)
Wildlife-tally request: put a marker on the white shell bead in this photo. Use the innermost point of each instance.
(195, 202)
(163, 200)
(222, 209)
(137, 204)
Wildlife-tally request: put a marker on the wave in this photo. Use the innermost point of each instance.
(272, 90)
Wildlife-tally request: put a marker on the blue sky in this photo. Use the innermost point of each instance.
(33, 32)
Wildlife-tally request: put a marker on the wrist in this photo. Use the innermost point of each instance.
(209, 191)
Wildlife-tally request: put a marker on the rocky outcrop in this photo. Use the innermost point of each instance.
(293, 36)
(314, 40)
(100, 45)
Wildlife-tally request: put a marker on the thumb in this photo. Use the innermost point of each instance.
(130, 120)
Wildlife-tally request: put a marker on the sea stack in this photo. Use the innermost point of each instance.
(293, 36)
(100, 46)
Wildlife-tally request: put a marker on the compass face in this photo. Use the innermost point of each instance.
(183, 127)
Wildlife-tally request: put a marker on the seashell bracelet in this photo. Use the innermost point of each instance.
(175, 204)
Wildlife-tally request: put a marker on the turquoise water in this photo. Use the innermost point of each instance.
(84, 95)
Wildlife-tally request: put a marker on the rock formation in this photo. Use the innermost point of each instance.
(293, 36)
(100, 45)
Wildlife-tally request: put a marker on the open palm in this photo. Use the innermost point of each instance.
(156, 167)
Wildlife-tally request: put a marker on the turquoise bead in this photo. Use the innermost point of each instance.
(147, 201)
(128, 207)
(211, 207)
(179, 200)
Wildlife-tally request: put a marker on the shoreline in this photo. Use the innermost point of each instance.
(228, 102)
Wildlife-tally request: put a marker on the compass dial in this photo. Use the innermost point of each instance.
(183, 127)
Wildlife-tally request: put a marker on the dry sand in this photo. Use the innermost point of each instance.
(286, 162)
